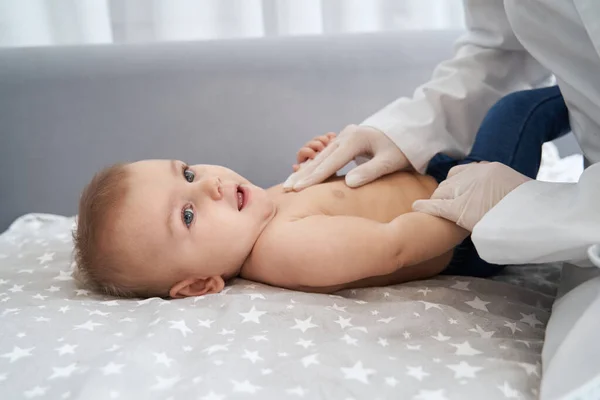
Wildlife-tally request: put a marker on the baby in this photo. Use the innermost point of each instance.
(164, 228)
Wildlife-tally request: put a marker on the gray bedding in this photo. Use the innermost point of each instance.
(444, 338)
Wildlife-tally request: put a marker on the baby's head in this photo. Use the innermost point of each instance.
(162, 228)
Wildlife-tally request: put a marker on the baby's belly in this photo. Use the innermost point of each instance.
(382, 200)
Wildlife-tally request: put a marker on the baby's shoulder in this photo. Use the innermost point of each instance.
(265, 261)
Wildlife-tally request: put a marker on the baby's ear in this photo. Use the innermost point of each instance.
(197, 287)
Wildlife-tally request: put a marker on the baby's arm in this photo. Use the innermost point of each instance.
(320, 250)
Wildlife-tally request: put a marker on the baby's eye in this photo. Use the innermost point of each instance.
(188, 216)
(189, 175)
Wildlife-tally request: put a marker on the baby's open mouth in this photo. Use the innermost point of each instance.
(240, 198)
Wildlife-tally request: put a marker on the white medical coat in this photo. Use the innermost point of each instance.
(512, 45)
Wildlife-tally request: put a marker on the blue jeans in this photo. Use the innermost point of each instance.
(511, 133)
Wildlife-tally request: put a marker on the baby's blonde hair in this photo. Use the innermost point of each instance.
(99, 264)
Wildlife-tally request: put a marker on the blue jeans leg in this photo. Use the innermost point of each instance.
(512, 132)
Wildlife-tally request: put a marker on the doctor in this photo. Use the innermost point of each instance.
(510, 45)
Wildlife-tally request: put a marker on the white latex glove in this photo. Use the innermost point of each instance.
(353, 141)
(470, 191)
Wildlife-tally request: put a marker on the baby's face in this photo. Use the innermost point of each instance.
(191, 222)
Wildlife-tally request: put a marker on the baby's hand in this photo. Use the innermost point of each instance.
(312, 148)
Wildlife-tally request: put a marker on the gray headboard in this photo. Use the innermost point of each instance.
(65, 112)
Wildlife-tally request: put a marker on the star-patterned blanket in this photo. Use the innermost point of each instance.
(445, 338)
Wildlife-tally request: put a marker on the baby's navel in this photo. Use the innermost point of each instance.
(338, 193)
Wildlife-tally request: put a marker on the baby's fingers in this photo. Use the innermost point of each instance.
(304, 154)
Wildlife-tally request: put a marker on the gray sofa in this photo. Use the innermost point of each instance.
(65, 112)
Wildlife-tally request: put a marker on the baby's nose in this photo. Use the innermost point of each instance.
(212, 186)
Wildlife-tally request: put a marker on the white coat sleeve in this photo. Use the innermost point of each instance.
(543, 222)
(444, 114)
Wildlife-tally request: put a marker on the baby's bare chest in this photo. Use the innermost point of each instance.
(382, 200)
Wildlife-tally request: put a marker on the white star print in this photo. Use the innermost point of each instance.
(259, 338)
(21, 335)
(213, 396)
(282, 354)
(508, 391)
(225, 332)
(464, 349)
(530, 319)
(358, 373)
(10, 310)
(82, 292)
(406, 334)
(531, 368)
(66, 349)
(481, 332)
(205, 322)
(349, 340)
(253, 315)
(359, 328)
(46, 257)
(305, 343)
(430, 395)
(215, 348)
(382, 342)
(252, 356)
(309, 360)
(441, 338)
(344, 322)
(39, 297)
(3, 281)
(244, 387)
(41, 319)
(464, 370)
(52, 289)
(63, 276)
(424, 291)
(266, 371)
(112, 368)
(512, 326)
(416, 372)
(478, 304)
(298, 391)
(36, 391)
(360, 302)
(452, 321)
(16, 288)
(181, 327)
(337, 308)
(126, 319)
(386, 320)
(254, 296)
(17, 353)
(391, 381)
(110, 303)
(98, 312)
(162, 358)
(250, 286)
(114, 347)
(89, 325)
(375, 312)
(461, 285)
(413, 347)
(165, 383)
(304, 325)
(429, 305)
(63, 372)
(187, 348)
(64, 309)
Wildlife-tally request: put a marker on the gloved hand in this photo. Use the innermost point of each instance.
(470, 191)
(352, 141)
